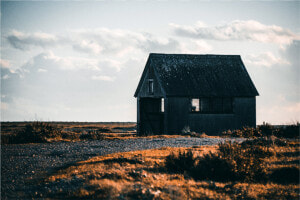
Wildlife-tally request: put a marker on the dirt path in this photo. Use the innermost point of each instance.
(22, 165)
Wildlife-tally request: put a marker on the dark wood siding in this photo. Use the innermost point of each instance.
(157, 91)
(178, 116)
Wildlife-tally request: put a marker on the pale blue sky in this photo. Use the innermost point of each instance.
(81, 61)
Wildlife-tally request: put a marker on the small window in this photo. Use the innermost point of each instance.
(150, 86)
(195, 105)
(162, 106)
(212, 105)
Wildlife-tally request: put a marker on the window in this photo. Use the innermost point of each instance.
(162, 105)
(195, 105)
(211, 105)
(150, 86)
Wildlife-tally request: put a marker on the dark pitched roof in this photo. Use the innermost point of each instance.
(201, 75)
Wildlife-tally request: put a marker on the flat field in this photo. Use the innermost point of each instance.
(106, 160)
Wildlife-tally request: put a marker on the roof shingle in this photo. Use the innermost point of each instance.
(202, 75)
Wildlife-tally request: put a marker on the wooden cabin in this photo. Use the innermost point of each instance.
(203, 93)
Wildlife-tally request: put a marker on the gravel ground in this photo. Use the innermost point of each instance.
(24, 164)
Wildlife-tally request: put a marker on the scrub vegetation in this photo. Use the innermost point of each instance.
(263, 168)
(281, 131)
(41, 132)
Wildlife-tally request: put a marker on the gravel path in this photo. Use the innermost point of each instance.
(23, 164)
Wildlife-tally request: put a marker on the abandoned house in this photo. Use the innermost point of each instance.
(206, 93)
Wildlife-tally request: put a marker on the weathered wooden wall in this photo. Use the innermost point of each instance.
(157, 92)
(177, 113)
(178, 116)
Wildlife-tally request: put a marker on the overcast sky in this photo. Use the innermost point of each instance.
(81, 61)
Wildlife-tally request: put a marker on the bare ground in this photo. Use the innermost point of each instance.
(23, 166)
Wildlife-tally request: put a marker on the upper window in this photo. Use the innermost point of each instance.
(150, 86)
(212, 105)
(162, 105)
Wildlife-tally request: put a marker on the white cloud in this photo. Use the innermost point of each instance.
(99, 41)
(103, 78)
(4, 63)
(72, 63)
(196, 47)
(238, 30)
(108, 64)
(88, 47)
(42, 70)
(25, 41)
(6, 76)
(266, 59)
(121, 43)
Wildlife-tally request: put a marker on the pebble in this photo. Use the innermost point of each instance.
(21, 162)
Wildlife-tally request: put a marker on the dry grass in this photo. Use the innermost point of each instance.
(143, 175)
(11, 132)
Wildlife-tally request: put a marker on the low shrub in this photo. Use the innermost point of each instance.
(69, 135)
(183, 161)
(146, 133)
(265, 142)
(247, 161)
(285, 175)
(287, 131)
(213, 167)
(186, 130)
(36, 132)
(232, 162)
(246, 132)
(105, 130)
(92, 135)
(266, 129)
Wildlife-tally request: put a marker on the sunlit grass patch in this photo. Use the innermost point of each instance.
(145, 174)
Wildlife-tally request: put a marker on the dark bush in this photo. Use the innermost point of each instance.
(232, 162)
(267, 129)
(184, 161)
(285, 175)
(69, 135)
(213, 167)
(36, 132)
(247, 161)
(7, 139)
(105, 130)
(287, 131)
(91, 136)
(265, 142)
(146, 133)
(246, 132)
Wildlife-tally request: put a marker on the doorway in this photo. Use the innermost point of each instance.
(151, 116)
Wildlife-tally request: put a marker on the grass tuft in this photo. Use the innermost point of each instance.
(183, 161)
(36, 132)
(285, 175)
